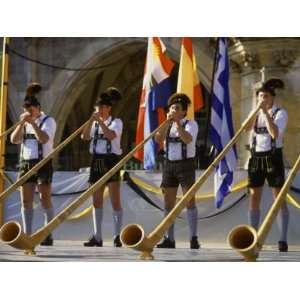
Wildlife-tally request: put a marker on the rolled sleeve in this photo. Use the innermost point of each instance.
(92, 132)
(117, 127)
(192, 129)
(280, 121)
(49, 127)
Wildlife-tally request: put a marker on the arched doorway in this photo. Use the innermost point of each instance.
(126, 73)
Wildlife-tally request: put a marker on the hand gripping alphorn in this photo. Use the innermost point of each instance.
(133, 235)
(245, 239)
(11, 232)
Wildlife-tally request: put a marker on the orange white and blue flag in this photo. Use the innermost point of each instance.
(156, 90)
(188, 79)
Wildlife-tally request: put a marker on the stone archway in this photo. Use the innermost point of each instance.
(116, 55)
(74, 106)
(68, 95)
(62, 89)
(126, 74)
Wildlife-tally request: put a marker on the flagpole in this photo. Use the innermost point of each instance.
(211, 93)
(3, 110)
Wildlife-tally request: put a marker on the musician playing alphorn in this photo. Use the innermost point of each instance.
(266, 161)
(36, 136)
(104, 131)
(179, 137)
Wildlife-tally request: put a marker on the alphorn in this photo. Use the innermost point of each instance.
(249, 242)
(41, 163)
(8, 131)
(133, 235)
(11, 233)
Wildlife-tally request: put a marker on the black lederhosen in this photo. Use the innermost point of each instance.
(178, 172)
(43, 175)
(266, 165)
(101, 164)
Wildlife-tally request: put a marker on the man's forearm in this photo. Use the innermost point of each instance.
(87, 131)
(184, 135)
(41, 136)
(271, 126)
(17, 135)
(109, 134)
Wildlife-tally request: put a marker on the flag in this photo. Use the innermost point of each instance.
(221, 125)
(155, 93)
(188, 80)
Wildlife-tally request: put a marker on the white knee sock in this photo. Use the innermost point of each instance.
(118, 220)
(283, 223)
(254, 218)
(192, 216)
(97, 219)
(170, 233)
(27, 216)
(48, 214)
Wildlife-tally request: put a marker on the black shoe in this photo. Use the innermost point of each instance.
(167, 243)
(48, 241)
(117, 241)
(93, 243)
(194, 244)
(283, 246)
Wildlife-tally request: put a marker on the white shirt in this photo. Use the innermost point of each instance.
(117, 126)
(175, 148)
(29, 147)
(263, 141)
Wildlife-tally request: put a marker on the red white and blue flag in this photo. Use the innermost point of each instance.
(156, 90)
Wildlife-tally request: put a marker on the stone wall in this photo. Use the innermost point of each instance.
(69, 95)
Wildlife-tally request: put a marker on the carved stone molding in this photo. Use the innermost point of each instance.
(235, 67)
(247, 61)
(250, 60)
(285, 57)
(253, 53)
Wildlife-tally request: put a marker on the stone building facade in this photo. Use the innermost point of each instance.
(68, 95)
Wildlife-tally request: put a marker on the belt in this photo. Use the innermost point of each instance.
(180, 160)
(105, 156)
(266, 153)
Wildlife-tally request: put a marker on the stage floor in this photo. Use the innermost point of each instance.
(74, 251)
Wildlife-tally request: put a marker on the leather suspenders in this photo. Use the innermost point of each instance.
(263, 130)
(98, 136)
(176, 140)
(31, 136)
